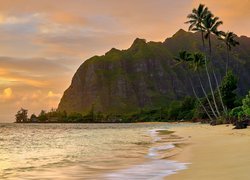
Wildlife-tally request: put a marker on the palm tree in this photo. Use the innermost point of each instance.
(187, 58)
(210, 25)
(198, 62)
(195, 20)
(229, 40)
(183, 57)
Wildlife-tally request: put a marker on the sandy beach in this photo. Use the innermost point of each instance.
(216, 153)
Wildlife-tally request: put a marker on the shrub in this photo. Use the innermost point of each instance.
(246, 105)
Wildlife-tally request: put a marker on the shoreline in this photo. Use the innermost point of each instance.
(156, 163)
(214, 152)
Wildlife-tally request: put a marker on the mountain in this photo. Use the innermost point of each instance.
(146, 76)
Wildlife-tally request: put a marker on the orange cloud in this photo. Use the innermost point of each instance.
(53, 95)
(6, 94)
(67, 18)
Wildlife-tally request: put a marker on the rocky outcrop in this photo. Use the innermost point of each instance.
(145, 75)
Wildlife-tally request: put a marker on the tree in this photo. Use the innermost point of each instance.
(188, 60)
(195, 20)
(198, 62)
(227, 89)
(187, 108)
(183, 57)
(229, 40)
(246, 105)
(42, 116)
(202, 20)
(173, 110)
(210, 25)
(75, 117)
(33, 118)
(22, 116)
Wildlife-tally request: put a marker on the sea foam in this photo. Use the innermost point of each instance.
(154, 168)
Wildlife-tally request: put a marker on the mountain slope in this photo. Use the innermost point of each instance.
(145, 75)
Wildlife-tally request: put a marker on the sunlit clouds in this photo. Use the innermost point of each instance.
(6, 94)
(43, 42)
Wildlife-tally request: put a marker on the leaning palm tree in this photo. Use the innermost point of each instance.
(210, 25)
(195, 20)
(187, 59)
(199, 61)
(229, 40)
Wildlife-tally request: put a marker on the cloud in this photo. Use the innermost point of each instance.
(54, 95)
(36, 72)
(6, 94)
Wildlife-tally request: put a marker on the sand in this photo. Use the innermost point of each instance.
(215, 153)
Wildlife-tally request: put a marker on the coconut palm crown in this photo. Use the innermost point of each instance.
(210, 25)
(229, 40)
(196, 18)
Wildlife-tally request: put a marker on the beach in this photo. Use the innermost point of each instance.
(214, 152)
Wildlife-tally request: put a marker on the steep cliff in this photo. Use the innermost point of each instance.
(145, 75)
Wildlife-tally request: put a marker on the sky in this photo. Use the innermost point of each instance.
(42, 43)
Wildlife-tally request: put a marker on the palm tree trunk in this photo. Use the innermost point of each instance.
(210, 46)
(211, 88)
(222, 103)
(227, 66)
(209, 103)
(204, 108)
(202, 37)
(209, 80)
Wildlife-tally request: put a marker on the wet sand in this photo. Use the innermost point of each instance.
(215, 153)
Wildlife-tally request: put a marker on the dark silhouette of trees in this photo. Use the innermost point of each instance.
(22, 116)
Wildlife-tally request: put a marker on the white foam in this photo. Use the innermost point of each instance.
(153, 170)
(154, 134)
(153, 151)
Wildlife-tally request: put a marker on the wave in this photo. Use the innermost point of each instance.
(155, 168)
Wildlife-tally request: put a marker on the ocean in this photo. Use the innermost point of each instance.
(85, 151)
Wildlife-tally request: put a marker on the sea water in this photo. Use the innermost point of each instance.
(84, 151)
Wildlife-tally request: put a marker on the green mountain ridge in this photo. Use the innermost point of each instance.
(146, 76)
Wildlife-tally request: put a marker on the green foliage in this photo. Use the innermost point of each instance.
(241, 111)
(187, 108)
(177, 110)
(174, 109)
(75, 117)
(227, 88)
(42, 116)
(236, 112)
(229, 39)
(246, 105)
